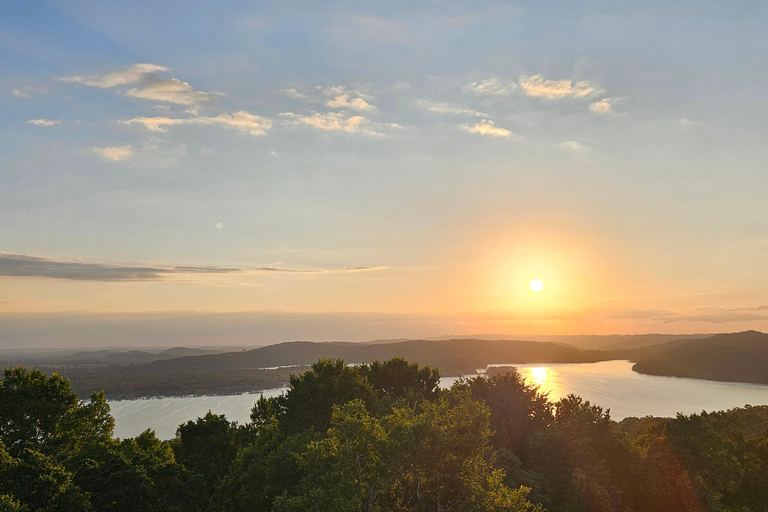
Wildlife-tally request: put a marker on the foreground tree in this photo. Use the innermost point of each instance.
(438, 459)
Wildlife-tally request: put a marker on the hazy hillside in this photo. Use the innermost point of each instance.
(105, 356)
(588, 341)
(131, 373)
(453, 357)
(736, 357)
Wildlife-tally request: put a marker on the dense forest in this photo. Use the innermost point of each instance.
(378, 437)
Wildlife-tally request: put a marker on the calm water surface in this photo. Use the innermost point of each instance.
(610, 384)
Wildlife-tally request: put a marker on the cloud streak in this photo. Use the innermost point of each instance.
(114, 153)
(449, 109)
(338, 122)
(537, 86)
(492, 86)
(242, 120)
(23, 265)
(43, 122)
(148, 85)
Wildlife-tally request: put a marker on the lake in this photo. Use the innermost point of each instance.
(610, 384)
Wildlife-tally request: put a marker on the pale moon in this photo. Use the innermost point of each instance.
(536, 285)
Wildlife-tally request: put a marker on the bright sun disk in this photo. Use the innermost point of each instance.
(536, 285)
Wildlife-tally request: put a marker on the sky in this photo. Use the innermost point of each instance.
(199, 172)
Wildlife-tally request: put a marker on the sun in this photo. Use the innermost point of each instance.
(536, 285)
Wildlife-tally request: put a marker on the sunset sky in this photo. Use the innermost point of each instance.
(216, 172)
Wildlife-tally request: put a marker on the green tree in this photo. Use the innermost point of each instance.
(438, 459)
(264, 470)
(396, 378)
(309, 401)
(207, 447)
(32, 405)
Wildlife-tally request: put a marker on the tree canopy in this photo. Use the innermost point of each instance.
(378, 437)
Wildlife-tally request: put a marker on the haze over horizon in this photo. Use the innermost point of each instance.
(395, 170)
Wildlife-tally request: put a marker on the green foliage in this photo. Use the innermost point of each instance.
(8, 504)
(518, 410)
(379, 437)
(398, 379)
(438, 459)
(32, 405)
(309, 401)
(208, 445)
(264, 470)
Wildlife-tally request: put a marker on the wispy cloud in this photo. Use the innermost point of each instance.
(148, 85)
(20, 94)
(492, 86)
(338, 122)
(114, 153)
(344, 101)
(43, 122)
(486, 127)
(244, 121)
(292, 93)
(132, 74)
(536, 85)
(449, 109)
(603, 106)
(22, 265)
(336, 90)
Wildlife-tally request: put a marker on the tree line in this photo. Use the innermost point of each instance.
(378, 437)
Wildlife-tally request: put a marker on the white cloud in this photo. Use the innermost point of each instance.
(603, 106)
(334, 122)
(19, 93)
(130, 75)
(43, 122)
(486, 127)
(170, 90)
(339, 122)
(343, 101)
(448, 108)
(492, 86)
(337, 90)
(292, 93)
(150, 86)
(536, 85)
(114, 153)
(244, 121)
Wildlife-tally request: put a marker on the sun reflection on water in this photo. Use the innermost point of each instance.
(539, 375)
(542, 376)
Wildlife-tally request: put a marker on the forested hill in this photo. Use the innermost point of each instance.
(735, 357)
(453, 357)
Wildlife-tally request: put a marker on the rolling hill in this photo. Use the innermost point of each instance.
(452, 357)
(735, 357)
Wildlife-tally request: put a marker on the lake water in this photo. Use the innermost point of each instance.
(610, 384)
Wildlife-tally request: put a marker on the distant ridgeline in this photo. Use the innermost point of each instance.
(378, 437)
(740, 357)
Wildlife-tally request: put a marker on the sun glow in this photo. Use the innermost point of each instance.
(539, 375)
(536, 285)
